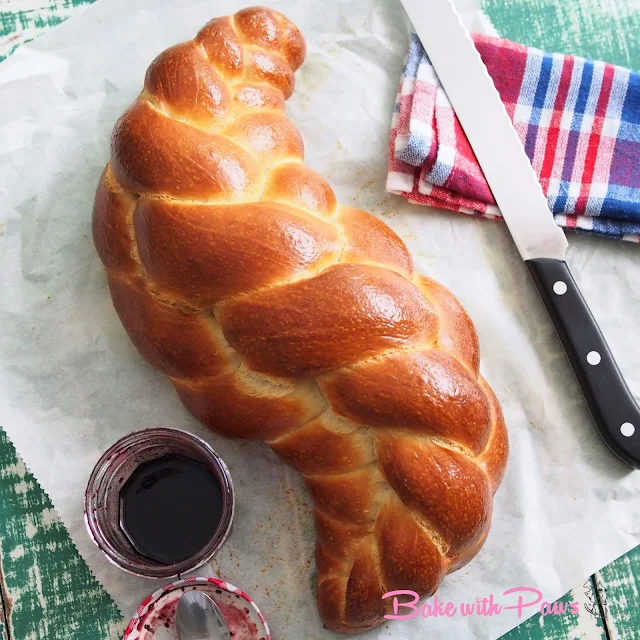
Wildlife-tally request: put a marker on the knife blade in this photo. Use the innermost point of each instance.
(541, 243)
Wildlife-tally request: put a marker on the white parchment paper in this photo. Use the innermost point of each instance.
(71, 383)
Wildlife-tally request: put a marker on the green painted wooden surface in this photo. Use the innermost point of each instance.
(47, 591)
(601, 29)
(3, 626)
(24, 20)
(587, 625)
(621, 596)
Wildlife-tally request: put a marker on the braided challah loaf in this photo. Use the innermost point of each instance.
(282, 316)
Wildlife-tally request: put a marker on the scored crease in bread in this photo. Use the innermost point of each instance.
(280, 315)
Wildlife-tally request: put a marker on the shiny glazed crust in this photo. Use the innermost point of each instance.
(280, 315)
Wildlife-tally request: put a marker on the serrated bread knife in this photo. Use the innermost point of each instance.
(542, 244)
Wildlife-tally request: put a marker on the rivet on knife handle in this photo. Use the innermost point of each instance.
(613, 408)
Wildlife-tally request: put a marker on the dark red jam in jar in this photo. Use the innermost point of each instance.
(159, 503)
(170, 508)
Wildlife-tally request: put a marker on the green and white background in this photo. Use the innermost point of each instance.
(47, 592)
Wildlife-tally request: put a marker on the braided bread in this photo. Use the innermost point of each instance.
(282, 316)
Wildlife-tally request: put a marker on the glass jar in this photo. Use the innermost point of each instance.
(102, 498)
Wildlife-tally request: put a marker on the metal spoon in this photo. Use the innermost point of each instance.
(199, 618)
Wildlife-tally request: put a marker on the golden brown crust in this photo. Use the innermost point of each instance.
(282, 316)
(457, 334)
(346, 496)
(409, 560)
(181, 343)
(190, 251)
(272, 31)
(198, 165)
(494, 457)
(432, 393)
(268, 134)
(300, 186)
(330, 597)
(345, 314)
(258, 95)
(364, 606)
(446, 489)
(223, 47)
(182, 82)
(112, 236)
(237, 407)
(317, 449)
(368, 239)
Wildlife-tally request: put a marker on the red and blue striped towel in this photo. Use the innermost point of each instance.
(579, 122)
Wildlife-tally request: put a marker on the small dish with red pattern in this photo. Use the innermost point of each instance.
(155, 618)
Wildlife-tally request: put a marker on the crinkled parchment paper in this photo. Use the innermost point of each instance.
(71, 383)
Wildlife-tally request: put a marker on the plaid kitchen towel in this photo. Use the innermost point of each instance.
(579, 122)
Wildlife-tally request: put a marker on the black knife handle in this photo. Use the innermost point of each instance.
(613, 408)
